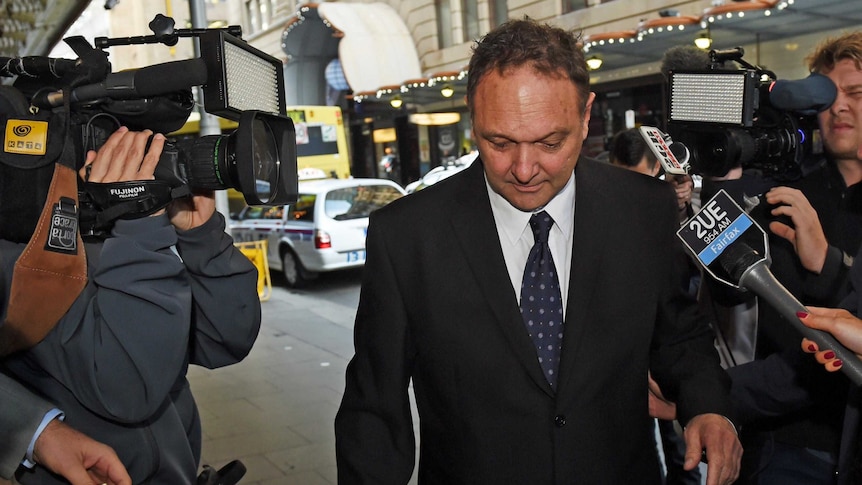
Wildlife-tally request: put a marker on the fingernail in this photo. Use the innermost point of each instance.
(837, 363)
(829, 355)
(812, 347)
(802, 314)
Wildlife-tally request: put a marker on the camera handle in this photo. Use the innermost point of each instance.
(164, 33)
(717, 58)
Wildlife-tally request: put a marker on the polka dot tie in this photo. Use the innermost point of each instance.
(541, 304)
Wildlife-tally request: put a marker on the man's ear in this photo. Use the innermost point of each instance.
(588, 107)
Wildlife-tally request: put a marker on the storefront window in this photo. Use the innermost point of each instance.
(470, 19)
(499, 12)
(252, 11)
(444, 23)
(572, 5)
(642, 97)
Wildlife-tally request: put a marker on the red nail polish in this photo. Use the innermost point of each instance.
(812, 347)
(829, 355)
(802, 314)
(837, 363)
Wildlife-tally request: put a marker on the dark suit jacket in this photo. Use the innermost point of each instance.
(437, 306)
(21, 411)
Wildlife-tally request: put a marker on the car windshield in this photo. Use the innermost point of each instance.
(261, 212)
(357, 202)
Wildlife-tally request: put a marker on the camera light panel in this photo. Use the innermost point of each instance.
(240, 78)
(710, 97)
(252, 83)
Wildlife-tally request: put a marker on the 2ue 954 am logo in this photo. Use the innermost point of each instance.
(26, 137)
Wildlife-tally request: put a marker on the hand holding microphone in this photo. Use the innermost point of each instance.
(841, 324)
(683, 187)
(722, 237)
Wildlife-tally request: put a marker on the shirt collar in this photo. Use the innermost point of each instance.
(513, 222)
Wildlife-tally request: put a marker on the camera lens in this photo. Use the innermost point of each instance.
(265, 160)
(207, 162)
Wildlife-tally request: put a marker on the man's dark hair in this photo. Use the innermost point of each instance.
(628, 147)
(551, 51)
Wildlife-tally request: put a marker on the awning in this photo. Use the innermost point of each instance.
(731, 24)
(371, 40)
(376, 49)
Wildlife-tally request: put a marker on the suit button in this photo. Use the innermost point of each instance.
(560, 420)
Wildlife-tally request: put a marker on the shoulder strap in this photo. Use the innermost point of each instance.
(51, 272)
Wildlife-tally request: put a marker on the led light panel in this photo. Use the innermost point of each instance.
(240, 77)
(710, 97)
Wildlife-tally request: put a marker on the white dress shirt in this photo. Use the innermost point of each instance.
(516, 237)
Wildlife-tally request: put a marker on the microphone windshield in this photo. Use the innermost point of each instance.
(684, 58)
(808, 96)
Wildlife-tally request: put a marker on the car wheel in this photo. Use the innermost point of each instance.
(295, 274)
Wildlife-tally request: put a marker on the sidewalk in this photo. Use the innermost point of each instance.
(275, 410)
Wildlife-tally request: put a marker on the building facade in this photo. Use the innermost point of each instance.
(629, 36)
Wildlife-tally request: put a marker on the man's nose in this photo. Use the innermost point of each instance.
(523, 164)
(840, 104)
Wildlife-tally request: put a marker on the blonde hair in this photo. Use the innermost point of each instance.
(835, 49)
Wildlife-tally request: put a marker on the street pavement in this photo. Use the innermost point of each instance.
(275, 410)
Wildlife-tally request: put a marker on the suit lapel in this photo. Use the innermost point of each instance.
(589, 247)
(476, 231)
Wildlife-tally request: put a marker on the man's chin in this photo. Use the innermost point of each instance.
(527, 202)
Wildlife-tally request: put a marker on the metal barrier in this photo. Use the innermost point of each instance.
(255, 251)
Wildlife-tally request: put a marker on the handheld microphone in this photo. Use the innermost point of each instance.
(810, 95)
(672, 156)
(721, 237)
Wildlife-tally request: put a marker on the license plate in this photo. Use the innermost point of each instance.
(354, 256)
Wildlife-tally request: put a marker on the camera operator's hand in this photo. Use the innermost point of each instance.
(124, 158)
(807, 234)
(188, 213)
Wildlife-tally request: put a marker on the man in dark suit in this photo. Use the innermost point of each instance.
(515, 395)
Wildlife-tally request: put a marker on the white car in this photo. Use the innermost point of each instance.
(323, 231)
(441, 172)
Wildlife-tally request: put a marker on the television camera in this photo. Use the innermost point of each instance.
(746, 117)
(85, 102)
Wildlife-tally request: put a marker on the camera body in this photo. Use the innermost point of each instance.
(733, 118)
(87, 102)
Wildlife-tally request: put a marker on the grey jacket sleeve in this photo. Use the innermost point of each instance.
(152, 296)
(225, 305)
(21, 411)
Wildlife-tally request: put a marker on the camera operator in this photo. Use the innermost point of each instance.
(163, 292)
(792, 420)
